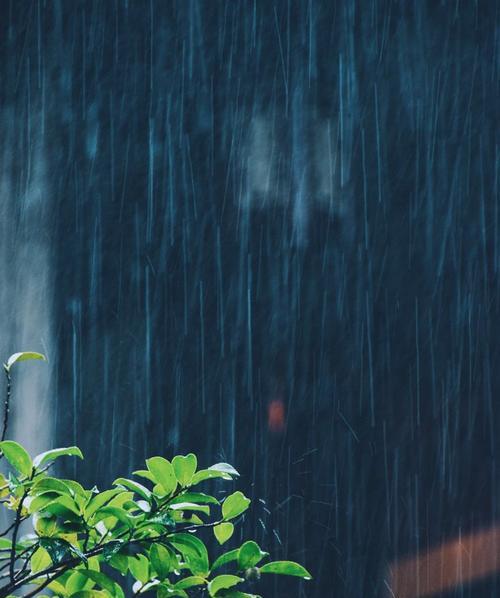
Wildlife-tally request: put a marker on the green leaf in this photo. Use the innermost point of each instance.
(163, 473)
(194, 552)
(185, 468)
(55, 504)
(226, 558)
(162, 560)
(167, 591)
(56, 547)
(117, 512)
(47, 456)
(17, 456)
(76, 488)
(40, 560)
(99, 500)
(194, 497)
(111, 548)
(139, 567)
(139, 489)
(101, 579)
(144, 473)
(50, 484)
(190, 506)
(223, 532)
(77, 581)
(23, 356)
(90, 594)
(224, 468)
(286, 568)
(190, 582)
(223, 582)
(219, 470)
(234, 505)
(237, 594)
(250, 555)
(119, 562)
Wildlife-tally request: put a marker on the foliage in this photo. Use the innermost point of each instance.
(88, 543)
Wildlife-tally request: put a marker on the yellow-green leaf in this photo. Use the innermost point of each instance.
(17, 456)
(223, 532)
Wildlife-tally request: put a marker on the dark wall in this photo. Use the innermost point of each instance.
(181, 314)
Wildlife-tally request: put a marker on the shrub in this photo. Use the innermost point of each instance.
(148, 528)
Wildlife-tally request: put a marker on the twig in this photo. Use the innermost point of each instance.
(6, 405)
(17, 523)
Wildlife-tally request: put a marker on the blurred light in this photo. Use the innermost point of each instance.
(276, 416)
(454, 563)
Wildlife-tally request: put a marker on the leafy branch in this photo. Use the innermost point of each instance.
(151, 529)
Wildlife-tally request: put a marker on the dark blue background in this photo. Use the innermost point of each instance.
(181, 313)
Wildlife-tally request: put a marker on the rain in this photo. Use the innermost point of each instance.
(267, 232)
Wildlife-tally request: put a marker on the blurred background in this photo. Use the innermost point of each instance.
(266, 232)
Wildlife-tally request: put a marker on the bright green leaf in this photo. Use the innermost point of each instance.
(144, 473)
(223, 582)
(190, 582)
(190, 506)
(163, 473)
(23, 356)
(223, 532)
(40, 560)
(224, 468)
(194, 497)
(99, 500)
(90, 594)
(50, 484)
(139, 489)
(101, 579)
(47, 456)
(184, 468)
(286, 568)
(226, 558)
(139, 567)
(117, 512)
(234, 505)
(17, 456)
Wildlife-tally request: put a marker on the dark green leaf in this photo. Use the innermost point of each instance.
(111, 548)
(194, 552)
(162, 560)
(250, 555)
(56, 547)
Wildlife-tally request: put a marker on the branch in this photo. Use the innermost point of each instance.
(6, 405)
(17, 523)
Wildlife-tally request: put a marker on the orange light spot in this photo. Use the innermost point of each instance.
(276, 416)
(454, 563)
